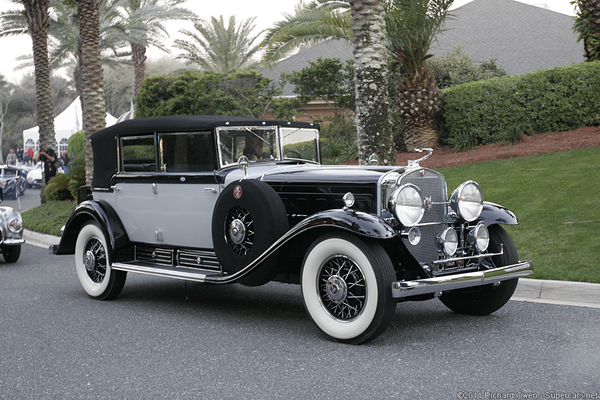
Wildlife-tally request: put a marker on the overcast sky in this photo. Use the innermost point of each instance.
(265, 11)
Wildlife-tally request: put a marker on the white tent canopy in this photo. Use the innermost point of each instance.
(65, 124)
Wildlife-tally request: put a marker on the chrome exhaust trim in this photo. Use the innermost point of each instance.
(402, 289)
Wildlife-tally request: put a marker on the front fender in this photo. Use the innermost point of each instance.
(98, 211)
(496, 214)
(358, 222)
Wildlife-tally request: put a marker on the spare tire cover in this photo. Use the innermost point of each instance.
(249, 216)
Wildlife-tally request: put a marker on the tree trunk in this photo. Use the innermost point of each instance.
(372, 114)
(589, 12)
(92, 77)
(138, 56)
(38, 21)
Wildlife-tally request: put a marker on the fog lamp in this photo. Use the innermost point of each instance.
(414, 236)
(449, 241)
(479, 237)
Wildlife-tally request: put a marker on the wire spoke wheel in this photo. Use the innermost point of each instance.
(342, 288)
(240, 231)
(94, 260)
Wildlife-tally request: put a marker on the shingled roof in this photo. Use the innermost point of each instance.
(520, 37)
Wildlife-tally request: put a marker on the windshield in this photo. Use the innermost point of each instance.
(256, 143)
(262, 144)
(7, 173)
(300, 143)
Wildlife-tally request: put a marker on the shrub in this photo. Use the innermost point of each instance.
(338, 140)
(76, 144)
(501, 109)
(65, 186)
(458, 67)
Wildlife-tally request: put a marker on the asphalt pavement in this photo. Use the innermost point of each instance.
(529, 290)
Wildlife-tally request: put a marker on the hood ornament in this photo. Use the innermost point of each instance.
(412, 164)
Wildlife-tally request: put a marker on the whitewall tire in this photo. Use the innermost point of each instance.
(346, 286)
(92, 263)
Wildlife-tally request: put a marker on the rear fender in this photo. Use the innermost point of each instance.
(104, 215)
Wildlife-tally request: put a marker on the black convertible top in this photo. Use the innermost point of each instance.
(104, 142)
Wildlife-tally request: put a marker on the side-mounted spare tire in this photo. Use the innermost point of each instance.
(249, 216)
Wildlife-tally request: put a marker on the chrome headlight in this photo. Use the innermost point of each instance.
(467, 201)
(479, 237)
(15, 225)
(407, 205)
(449, 241)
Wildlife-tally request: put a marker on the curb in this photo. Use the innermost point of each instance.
(566, 293)
(40, 239)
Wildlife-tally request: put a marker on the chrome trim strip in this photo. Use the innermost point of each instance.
(485, 255)
(12, 242)
(164, 272)
(402, 289)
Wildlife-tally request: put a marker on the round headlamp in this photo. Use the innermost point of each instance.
(448, 239)
(467, 201)
(479, 237)
(407, 205)
(15, 225)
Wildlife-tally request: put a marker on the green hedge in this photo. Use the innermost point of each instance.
(501, 109)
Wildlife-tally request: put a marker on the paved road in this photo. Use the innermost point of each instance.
(30, 199)
(172, 339)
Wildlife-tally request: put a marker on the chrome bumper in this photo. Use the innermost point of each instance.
(12, 242)
(403, 289)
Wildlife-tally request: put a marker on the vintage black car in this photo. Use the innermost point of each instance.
(221, 200)
(12, 181)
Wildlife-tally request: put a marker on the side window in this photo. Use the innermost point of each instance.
(187, 152)
(138, 154)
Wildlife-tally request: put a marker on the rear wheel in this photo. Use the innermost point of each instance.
(92, 263)
(487, 299)
(346, 286)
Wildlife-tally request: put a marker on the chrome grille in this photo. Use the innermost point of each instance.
(198, 259)
(432, 185)
(155, 255)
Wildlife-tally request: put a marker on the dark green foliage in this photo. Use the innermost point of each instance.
(458, 67)
(49, 217)
(77, 144)
(502, 109)
(338, 140)
(327, 79)
(240, 93)
(65, 186)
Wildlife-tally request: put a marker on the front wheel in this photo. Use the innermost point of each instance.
(92, 263)
(347, 288)
(11, 253)
(487, 299)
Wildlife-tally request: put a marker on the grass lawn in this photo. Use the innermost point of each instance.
(556, 197)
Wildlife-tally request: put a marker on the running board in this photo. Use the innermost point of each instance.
(166, 272)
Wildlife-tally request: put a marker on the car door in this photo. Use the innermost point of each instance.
(187, 190)
(136, 188)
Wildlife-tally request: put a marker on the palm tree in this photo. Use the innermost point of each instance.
(587, 23)
(92, 77)
(141, 23)
(311, 24)
(412, 25)
(219, 48)
(372, 112)
(35, 21)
